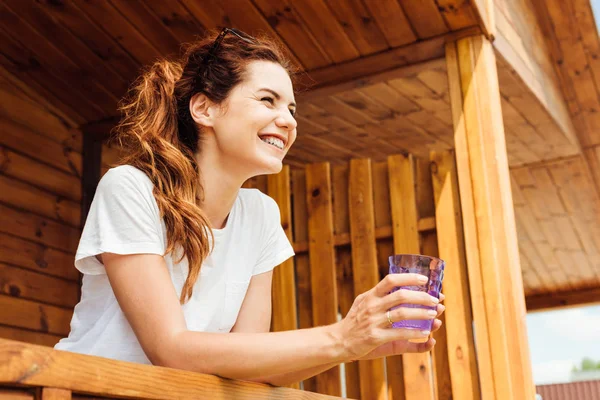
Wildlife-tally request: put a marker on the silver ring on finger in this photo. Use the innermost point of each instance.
(389, 318)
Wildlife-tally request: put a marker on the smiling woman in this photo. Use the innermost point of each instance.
(175, 253)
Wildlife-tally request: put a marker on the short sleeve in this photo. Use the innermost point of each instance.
(123, 219)
(276, 248)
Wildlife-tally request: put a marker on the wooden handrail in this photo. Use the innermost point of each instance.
(33, 366)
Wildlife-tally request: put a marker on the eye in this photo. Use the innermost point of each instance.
(293, 112)
(268, 99)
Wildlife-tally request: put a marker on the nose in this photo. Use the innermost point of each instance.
(286, 121)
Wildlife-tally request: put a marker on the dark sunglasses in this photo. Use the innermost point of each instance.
(219, 39)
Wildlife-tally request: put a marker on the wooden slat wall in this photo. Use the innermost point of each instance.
(40, 193)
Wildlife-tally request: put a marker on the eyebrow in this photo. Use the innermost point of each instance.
(274, 93)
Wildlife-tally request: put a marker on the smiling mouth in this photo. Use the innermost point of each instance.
(273, 141)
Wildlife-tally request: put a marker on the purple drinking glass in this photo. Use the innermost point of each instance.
(433, 269)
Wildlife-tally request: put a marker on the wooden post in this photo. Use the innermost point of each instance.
(489, 223)
(418, 380)
(364, 264)
(285, 317)
(303, 287)
(458, 322)
(55, 394)
(322, 261)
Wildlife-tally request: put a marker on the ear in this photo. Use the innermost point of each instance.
(203, 110)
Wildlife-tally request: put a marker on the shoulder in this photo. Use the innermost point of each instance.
(125, 178)
(256, 201)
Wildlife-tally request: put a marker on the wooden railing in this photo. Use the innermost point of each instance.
(37, 372)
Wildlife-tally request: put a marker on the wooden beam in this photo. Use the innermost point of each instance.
(322, 262)
(416, 367)
(364, 264)
(395, 63)
(27, 365)
(546, 301)
(451, 247)
(489, 222)
(50, 393)
(384, 232)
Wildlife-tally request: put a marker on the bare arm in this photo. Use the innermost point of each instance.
(144, 291)
(255, 316)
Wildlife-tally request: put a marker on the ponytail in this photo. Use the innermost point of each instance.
(148, 133)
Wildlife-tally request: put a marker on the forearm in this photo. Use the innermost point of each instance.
(296, 376)
(253, 355)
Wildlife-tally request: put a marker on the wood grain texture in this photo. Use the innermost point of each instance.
(35, 316)
(458, 316)
(322, 261)
(417, 372)
(480, 106)
(364, 263)
(50, 393)
(33, 366)
(284, 281)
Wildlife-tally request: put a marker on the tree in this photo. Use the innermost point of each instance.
(587, 364)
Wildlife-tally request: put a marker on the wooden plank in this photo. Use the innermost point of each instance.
(359, 25)
(555, 300)
(425, 18)
(75, 50)
(120, 30)
(34, 286)
(33, 337)
(303, 279)
(42, 148)
(458, 14)
(178, 20)
(345, 280)
(323, 25)
(29, 314)
(52, 58)
(148, 25)
(458, 316)
(480, 318)
(416, 367)
(26, 197)
(322, 261)
(14, 394)
(103, 377)
(284, 282)
(496, 229)
(25, 169)
(37, 257)
(50, 393)
(392, 21)
(288, 24)
(38, 229)
(364, 263)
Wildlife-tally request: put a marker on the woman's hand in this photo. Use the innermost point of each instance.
(366, 331)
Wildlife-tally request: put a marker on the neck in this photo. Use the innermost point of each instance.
(221, 187)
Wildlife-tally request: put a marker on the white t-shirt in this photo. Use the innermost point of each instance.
(124, 219)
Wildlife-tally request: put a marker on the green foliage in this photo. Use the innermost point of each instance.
(587, 364)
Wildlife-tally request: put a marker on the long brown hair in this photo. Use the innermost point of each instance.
(160, 137)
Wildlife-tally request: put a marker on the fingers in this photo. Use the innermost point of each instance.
(405, 296)
(388, 335)
(440, 310)
(437, 324)
(394, 280)
(405, 313)
(442, 296)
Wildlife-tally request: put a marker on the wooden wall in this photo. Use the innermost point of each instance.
(343, 231)
(40, 193)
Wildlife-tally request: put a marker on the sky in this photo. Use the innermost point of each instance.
(560, 339)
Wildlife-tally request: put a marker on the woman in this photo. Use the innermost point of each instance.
(174, 253)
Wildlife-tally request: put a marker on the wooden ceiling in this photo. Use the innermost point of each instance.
(83, 55)
(557, 223)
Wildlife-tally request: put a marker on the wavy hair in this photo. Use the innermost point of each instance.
(160, 137)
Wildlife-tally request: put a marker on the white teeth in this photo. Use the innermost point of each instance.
(273, 141)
